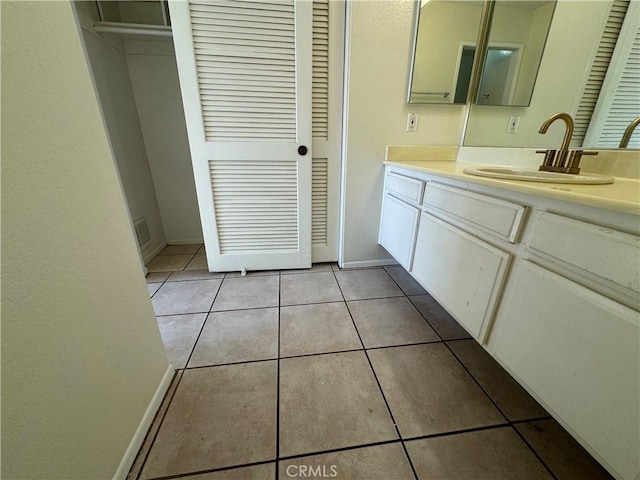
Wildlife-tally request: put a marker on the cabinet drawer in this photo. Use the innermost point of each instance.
(398, 229)
(472, 210)
(609, 257)
(406, 188)
(464, 274)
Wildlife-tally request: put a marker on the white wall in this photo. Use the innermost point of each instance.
(154, 76)
(379, 51)
(81, 352)
(111, 75)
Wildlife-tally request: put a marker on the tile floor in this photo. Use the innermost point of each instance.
(329, 373)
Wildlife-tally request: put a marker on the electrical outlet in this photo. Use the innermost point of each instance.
(512, 126)
(412, 122)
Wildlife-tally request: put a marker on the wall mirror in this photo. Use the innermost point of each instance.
(584, 35)
(508, 35)
(444, 48)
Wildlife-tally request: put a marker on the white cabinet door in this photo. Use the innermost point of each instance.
(579, 352)
(398, 227)
(464, 274)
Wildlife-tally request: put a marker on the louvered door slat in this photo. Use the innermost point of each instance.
(258, 39)
(254, 191)
(619, 98)
(320, 85)
(319, 178)
(598, 70)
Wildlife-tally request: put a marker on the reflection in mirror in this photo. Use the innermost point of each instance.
(571, 72)
(445, 45)
(516, 41)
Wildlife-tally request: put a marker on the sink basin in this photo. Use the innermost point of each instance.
(527, 175)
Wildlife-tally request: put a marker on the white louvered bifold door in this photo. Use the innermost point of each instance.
(245, 76)
(619, 100)
(328, 59)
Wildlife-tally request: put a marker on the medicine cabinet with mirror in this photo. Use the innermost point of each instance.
(585, 40)
(485, 52)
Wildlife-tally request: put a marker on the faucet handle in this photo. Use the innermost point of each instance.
(549, 156)
(574, 160)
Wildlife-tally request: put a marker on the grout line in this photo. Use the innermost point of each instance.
(384, 398)
(190, 260)
(179, 375)
(286, 357)
(206, 319)
(458, 432)
(278, 386)
(510, 423)
(529, 420)
(544, 464)
(212, 470)
(341, 449)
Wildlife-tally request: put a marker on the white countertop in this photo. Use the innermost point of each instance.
(623, 195)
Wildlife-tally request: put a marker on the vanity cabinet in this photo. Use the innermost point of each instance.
(578, 352)
(400, 216)
(552, 291)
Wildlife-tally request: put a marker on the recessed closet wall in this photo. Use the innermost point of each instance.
(137, 86)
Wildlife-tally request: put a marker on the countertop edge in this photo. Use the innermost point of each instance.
(454, 170)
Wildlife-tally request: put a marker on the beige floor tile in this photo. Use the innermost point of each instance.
(180, 249)
(168, 263)
(185, 297)
(309, 288)
(560, 452)
(390, 321)
(319, 328)
(219, 417)
(198, 262)
(202, 249)
(157, 277)
(330, 401)
(429, 392)
(315, 268)
(237, 336)
(179, 334)
(511, 398)
(203, 274)
(381, 462)
(496, 454)
(369, 283)
(265, 471)
(444, 324)
(405, 281)
(247, 292)
(153, 288)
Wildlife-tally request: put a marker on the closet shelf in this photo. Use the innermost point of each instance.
(137, 29)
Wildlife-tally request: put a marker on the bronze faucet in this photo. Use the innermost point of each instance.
(554, 161)
(627, 133)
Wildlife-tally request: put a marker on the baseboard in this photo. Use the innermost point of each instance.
(148, 255)
(369, 263)
(138, 437)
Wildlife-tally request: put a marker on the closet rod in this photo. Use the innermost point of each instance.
(133, 29)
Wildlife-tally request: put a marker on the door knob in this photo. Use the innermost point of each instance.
(302, 150)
